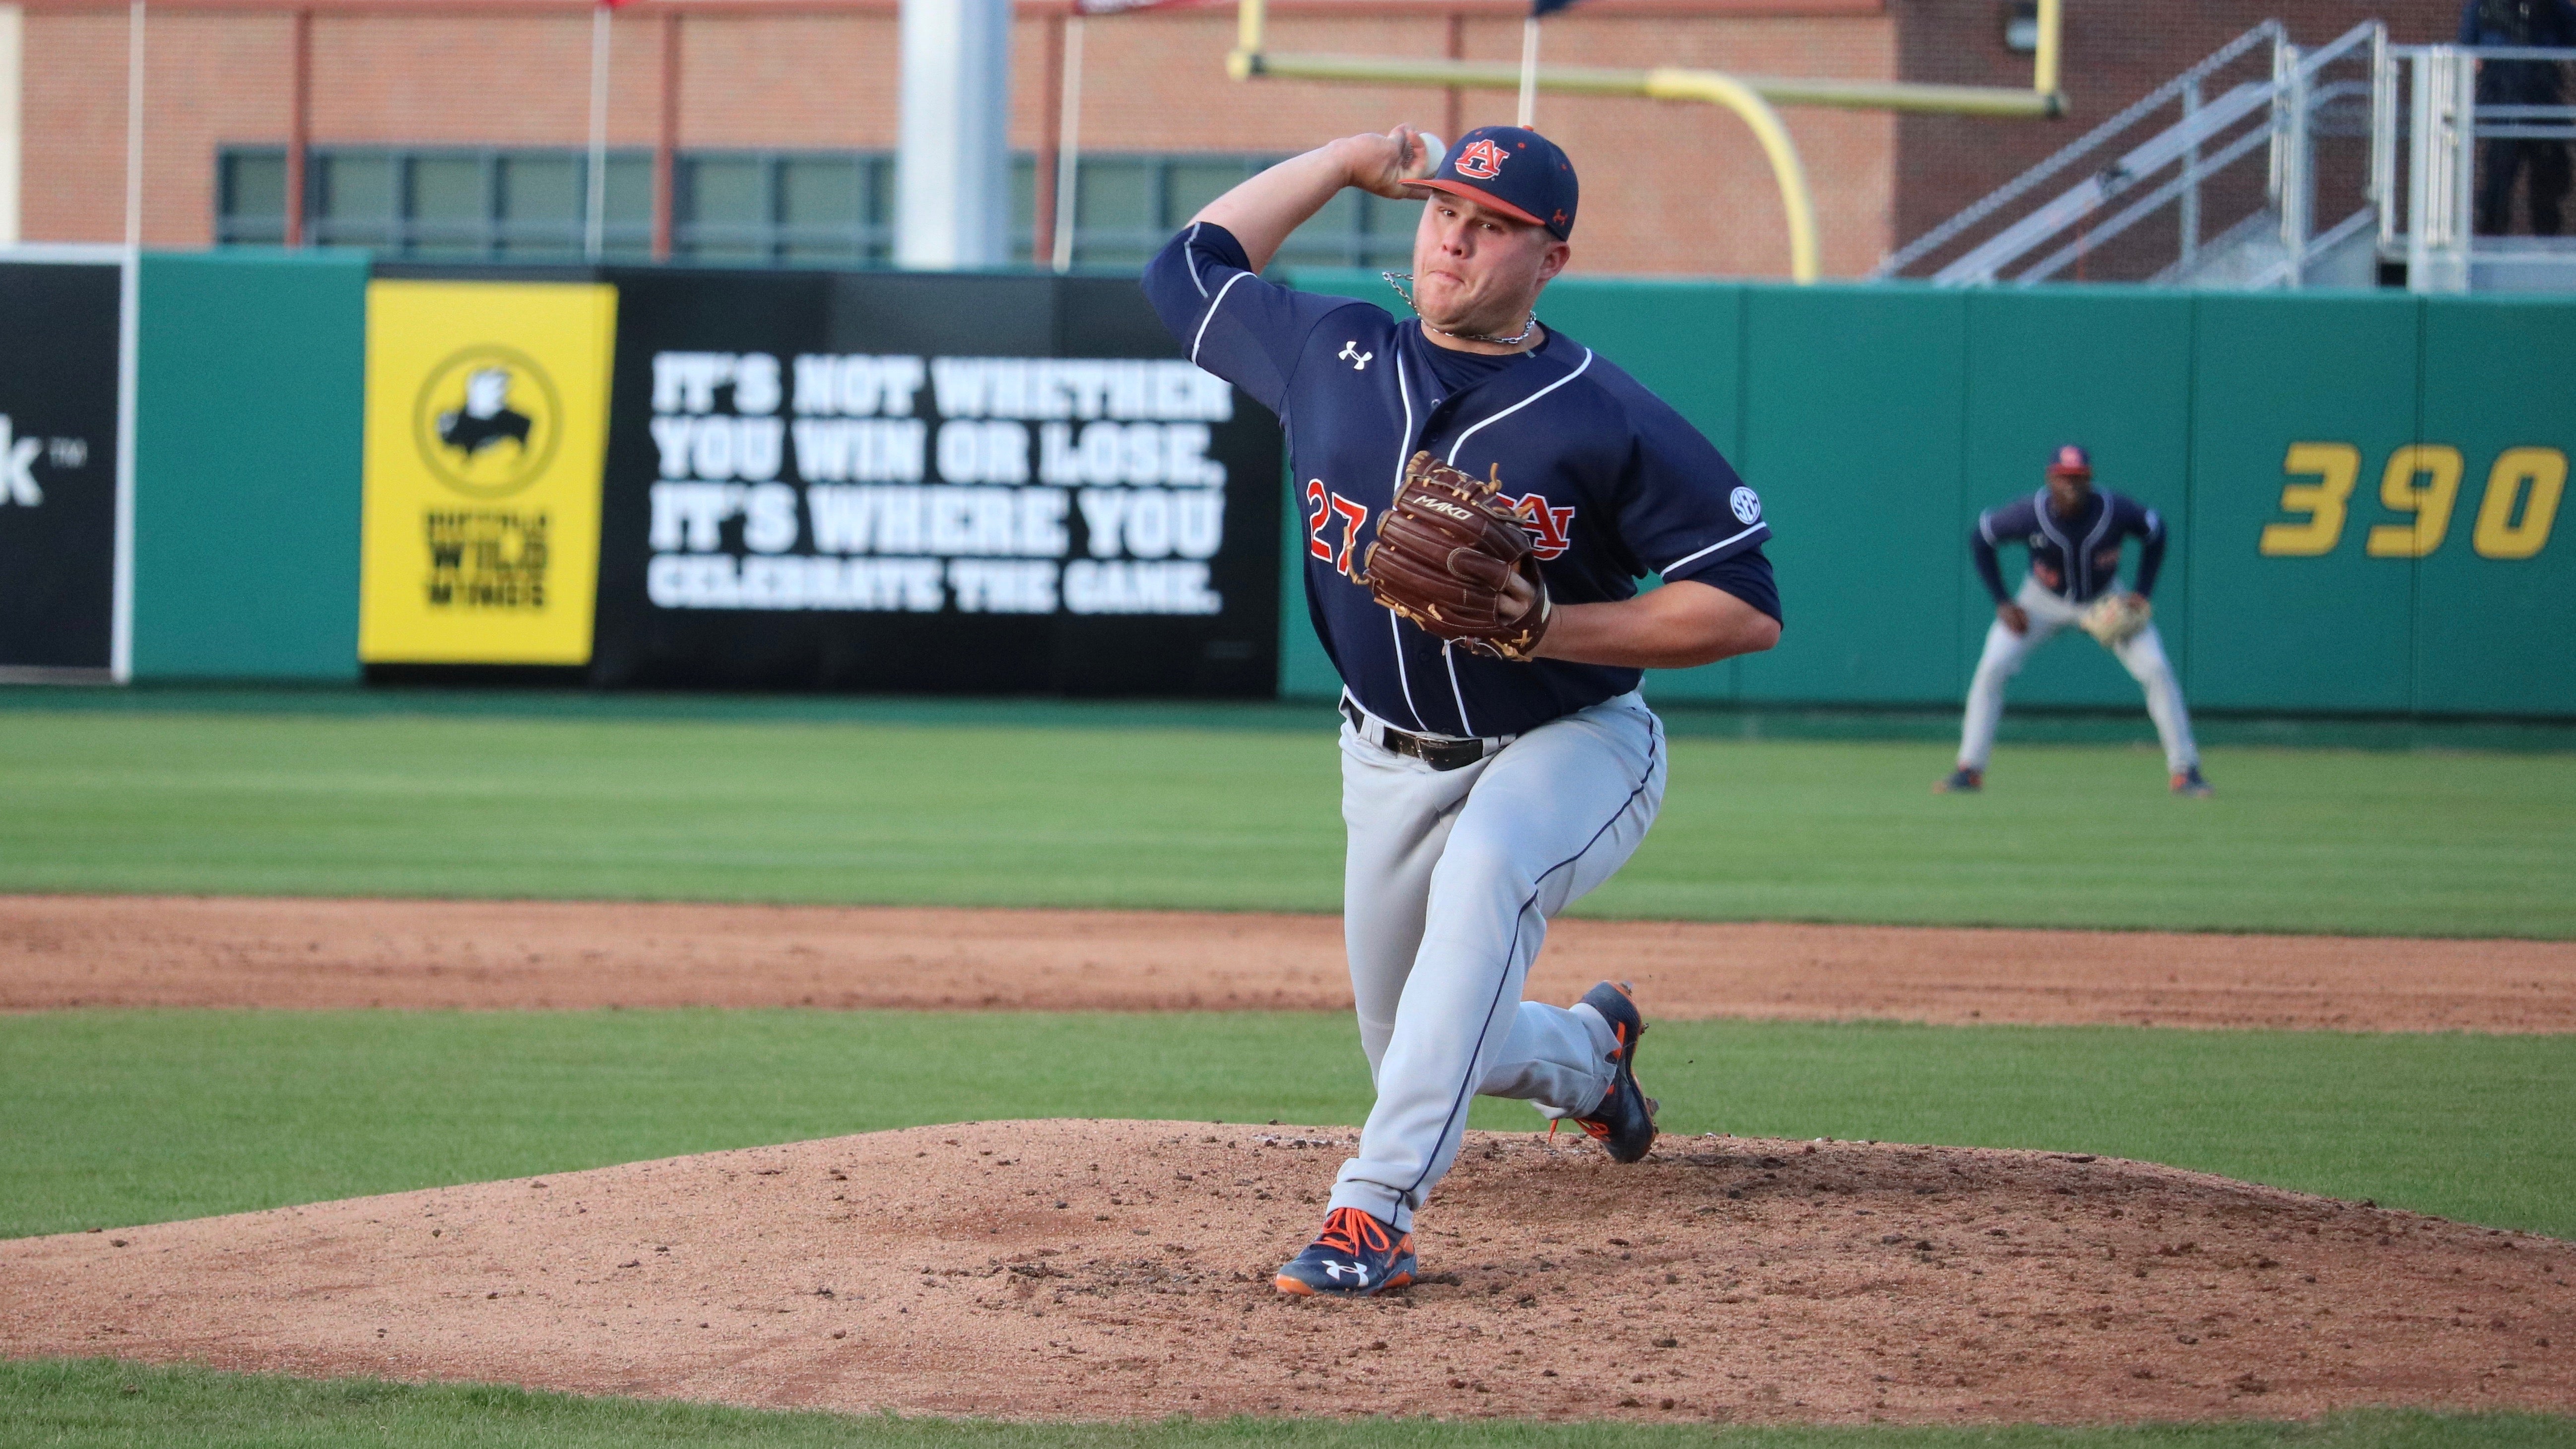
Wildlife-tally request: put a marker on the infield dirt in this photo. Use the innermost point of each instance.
(60, 951)
(1117, 1269)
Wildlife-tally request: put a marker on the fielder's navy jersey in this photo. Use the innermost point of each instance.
(1611, 483)
(2077, 558)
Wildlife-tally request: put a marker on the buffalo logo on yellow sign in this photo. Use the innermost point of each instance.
(487, 420)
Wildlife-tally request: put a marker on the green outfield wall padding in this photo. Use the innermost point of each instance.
(2301, 449)
(249, 399)
(2492, 629)
(1853, 432)
(2315, 623)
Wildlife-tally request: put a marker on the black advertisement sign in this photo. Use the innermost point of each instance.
(58, 465)
(933, 483)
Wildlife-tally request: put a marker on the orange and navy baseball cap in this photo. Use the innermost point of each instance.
(1517, 172)
(2070, 461)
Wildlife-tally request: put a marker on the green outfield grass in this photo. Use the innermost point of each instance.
(115, 1118)
(1127, 813)
(97, 1404)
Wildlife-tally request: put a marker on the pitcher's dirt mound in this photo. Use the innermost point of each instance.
(58, 951)
(1120, 1269)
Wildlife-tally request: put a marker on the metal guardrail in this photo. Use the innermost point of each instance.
(2418, 110)
(2287, 103)
(2184, 87)
(2440, 125)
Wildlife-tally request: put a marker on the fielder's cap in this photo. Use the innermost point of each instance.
(1517, 172)
(2070, 461)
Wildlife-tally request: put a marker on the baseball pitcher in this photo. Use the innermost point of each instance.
(1482, 495)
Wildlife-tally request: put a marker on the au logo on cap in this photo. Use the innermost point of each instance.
(487, 420)
(1482, 159)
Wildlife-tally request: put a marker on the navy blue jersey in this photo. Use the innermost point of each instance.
(1611, 483)
(2076, 558)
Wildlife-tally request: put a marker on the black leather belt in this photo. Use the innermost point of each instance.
(1438, 754)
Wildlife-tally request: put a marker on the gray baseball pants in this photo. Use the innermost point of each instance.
(1449, 882)
(2142, 654)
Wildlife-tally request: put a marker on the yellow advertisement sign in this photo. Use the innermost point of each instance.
(487, 427)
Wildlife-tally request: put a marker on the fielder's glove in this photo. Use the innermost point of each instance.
(1444, 552)
(2112, 618)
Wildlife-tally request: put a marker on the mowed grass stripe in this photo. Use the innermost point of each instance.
(117, 1118)
(1203, 818)
(98, 1404)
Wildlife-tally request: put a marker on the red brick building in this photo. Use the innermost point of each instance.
(454, 127)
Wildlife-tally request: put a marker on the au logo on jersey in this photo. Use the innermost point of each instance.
(1482, 160)
(487, 421)
(1550, 528)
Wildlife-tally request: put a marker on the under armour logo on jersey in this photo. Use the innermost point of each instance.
(1747, 505)
(1482, 160)
(1351, 354)
(1550, 528)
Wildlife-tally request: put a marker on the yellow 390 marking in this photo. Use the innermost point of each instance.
(2421, 483)
(2336, 467)
(2524, 480)
(2438, 466)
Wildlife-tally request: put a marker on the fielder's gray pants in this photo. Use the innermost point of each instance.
(2142, 654)
(1448, 886)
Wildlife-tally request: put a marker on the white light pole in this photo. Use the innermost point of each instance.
(594, 232)
(1529, 74)
(952, 162)
(12, 49)
(1068, 151)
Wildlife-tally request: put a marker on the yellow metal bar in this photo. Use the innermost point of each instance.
(2043, 60)
(1247, 28)
(1795, 199)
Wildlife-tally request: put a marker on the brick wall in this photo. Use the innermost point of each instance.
(1669, 187)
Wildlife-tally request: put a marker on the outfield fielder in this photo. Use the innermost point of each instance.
(2074, 534)
(1497, 761)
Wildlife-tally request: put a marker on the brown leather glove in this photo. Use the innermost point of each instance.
(1445, 552)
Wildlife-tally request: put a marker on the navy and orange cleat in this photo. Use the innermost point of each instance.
(1354, 1256)
(1624, 1123)
(1961, 781)
(2187, 781)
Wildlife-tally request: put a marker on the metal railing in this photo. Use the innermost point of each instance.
(2172, 166)
(2185, 88)
(2440, 124)
(2414, 107)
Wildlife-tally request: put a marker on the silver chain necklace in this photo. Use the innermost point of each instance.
(1397, 281)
